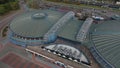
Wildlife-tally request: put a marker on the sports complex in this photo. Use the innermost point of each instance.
(44, 26)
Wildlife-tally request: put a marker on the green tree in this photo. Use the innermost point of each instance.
(7, 7)
(14, 5)
(6, 1)
(2, 9)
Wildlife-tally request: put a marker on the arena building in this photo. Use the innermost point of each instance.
(29, 28)
(44, 26)
(105, 43)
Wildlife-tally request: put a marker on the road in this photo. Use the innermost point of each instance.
(7, 20)
(4, 42)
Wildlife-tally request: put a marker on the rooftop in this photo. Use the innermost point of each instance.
(35, 23)
(70, 30)
(106, 41)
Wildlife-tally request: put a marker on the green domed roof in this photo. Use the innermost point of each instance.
(35, 23)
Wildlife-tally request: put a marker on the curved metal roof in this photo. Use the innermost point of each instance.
(106, 39)
(35, 23)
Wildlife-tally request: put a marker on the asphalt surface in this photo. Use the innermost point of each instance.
(5, 46)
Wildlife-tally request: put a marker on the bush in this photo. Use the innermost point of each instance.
(14, 5)
(2, 9)
(4, 31)
(8, 6)
(33, 4)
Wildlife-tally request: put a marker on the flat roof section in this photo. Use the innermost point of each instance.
(70, 30)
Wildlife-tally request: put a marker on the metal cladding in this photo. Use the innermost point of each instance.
(84, 30)
(59, 24)
(39, 27)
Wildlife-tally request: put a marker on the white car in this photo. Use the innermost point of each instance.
(60, 64)
(97, 18)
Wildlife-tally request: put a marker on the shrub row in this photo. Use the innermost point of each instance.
(8, 7)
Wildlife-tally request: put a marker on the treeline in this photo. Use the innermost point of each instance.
(114, 1)
(8, 5)
(33, 3)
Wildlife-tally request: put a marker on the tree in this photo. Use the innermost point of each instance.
(7, 7)
(14, 5)
(2, 9)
